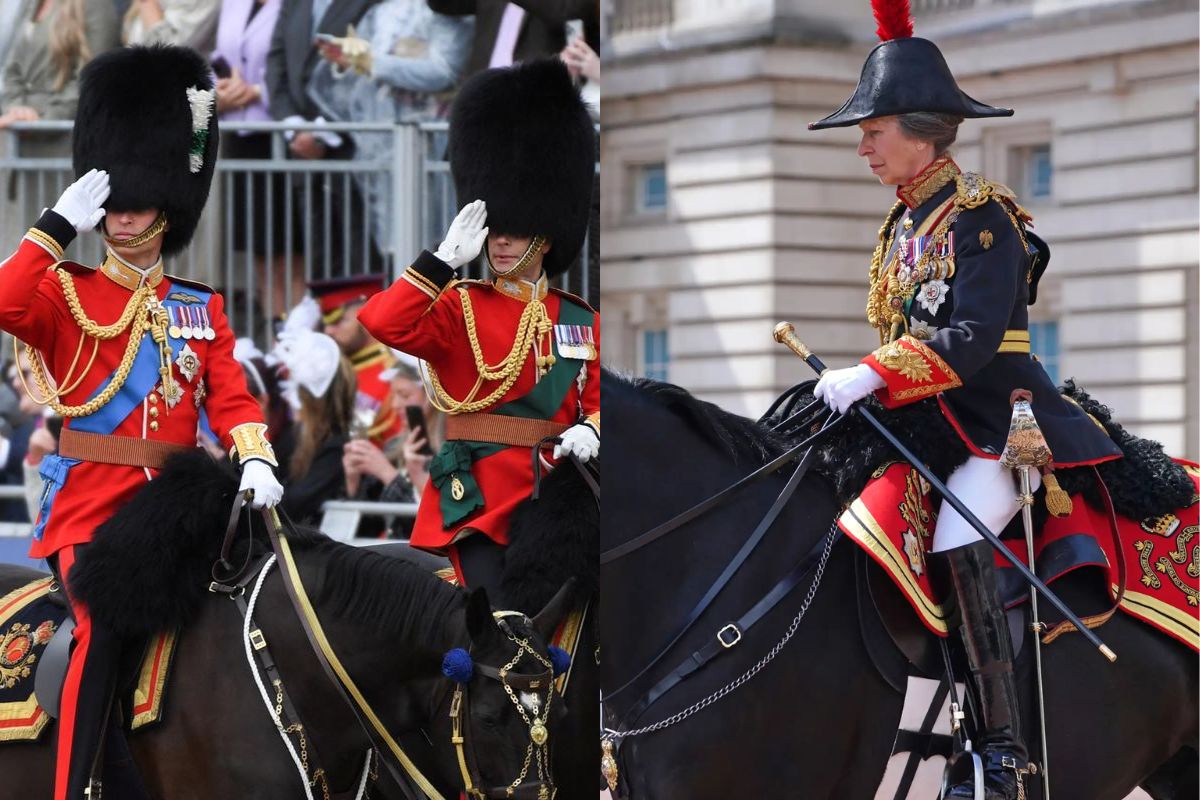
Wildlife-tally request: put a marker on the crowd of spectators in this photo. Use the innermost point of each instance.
(296, 62)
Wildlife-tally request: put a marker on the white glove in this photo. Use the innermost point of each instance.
(258, 477)
(81, 203)
(842, 388)
(465, 238)
(580, 439)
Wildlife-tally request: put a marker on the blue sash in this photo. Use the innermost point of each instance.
(143, 377)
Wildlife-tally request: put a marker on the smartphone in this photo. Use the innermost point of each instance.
(416, 419)
(221, 67)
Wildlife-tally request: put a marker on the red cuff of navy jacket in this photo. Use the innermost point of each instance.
(911, 370)
(53, 232)
(429, 274)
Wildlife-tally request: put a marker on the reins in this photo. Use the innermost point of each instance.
(732, 632)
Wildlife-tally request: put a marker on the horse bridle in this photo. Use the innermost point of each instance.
(537, 752)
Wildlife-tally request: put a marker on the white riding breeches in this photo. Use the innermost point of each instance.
(990, 491)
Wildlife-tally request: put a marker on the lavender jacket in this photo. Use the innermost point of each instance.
(245, 47)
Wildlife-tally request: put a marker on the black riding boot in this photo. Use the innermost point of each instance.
(985, 638)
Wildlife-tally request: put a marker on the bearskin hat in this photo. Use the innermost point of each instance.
(147, 116)
(521, 140)
(904, 74)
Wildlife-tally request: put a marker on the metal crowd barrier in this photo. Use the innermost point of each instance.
(402, 201)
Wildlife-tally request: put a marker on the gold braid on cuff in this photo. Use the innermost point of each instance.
(156, 227)
(250, 441)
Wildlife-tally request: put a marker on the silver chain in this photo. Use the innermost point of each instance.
(728, 688)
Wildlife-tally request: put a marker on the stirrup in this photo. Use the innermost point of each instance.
(92, 792)
(953, 765)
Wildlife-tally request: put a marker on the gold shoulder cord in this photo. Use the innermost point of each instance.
(877, 294)
(533, 326)
(137, 316)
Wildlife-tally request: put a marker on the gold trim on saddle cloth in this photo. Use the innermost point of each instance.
(22, 720)
(1180, 624)
(152, 679)
(569, 634)
(861, 526)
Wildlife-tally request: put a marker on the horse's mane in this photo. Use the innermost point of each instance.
(400, 597)
(147, 568)
(738, 436)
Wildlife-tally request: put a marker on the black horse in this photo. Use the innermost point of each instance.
(390, 621)
(818, 720)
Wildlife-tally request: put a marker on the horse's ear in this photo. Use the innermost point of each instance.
(479, 615)
(548, 618)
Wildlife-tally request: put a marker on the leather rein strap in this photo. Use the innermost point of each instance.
(332, 665)
(640, 541)
(747, 548)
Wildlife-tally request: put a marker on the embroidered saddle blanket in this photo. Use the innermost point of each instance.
(894, 517)
(29, 617)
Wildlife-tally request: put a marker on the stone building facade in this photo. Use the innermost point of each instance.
(722, 214)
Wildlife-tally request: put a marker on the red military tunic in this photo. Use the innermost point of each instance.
(33, 308)
(422, 314)
(373, 403)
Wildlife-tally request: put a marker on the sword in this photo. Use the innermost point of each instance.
(1026, 447)
(785, 333)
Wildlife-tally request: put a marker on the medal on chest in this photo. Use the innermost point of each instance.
(575, 341)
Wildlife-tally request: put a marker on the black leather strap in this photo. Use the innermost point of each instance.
(922, 743)
(640, 541)
(730, 634)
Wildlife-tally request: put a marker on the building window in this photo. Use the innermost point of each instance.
(650, 188)
(1043, 341)
(656, 357)
(1035, 171)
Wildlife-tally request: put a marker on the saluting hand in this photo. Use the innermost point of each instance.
(466, 236)
(81, 204)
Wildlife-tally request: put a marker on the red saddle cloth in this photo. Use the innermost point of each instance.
(894, 517)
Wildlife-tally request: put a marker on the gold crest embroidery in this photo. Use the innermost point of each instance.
(908, 363)
(985, 239)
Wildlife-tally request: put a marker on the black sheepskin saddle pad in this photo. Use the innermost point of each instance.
(551, 539)
(149, 565)
(1145, 483)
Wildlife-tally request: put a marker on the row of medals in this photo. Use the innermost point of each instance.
(189, 323)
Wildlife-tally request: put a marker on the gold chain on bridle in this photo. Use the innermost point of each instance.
(538, 734)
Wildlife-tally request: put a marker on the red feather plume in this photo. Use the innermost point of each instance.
(894, 18)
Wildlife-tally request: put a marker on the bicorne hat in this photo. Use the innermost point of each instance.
(147, 116)
(904, 74)
(522, 141)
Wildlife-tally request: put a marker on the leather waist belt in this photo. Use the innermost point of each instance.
(112, 449)
(499, 429)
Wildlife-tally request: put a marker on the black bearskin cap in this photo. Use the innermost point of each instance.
(135, 121)
(905, 75)
(521, 140)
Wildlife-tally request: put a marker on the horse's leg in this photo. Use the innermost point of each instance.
(1178, 779)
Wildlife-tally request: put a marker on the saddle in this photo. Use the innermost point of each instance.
(34, 651)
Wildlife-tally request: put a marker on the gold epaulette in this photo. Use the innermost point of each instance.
(973, 190)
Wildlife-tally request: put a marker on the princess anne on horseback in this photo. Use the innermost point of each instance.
(954, 271)
(106, 347)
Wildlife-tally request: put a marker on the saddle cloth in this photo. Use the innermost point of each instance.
(29, 617)
(893, 519)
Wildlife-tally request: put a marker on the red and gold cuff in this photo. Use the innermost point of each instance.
(911, 370)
